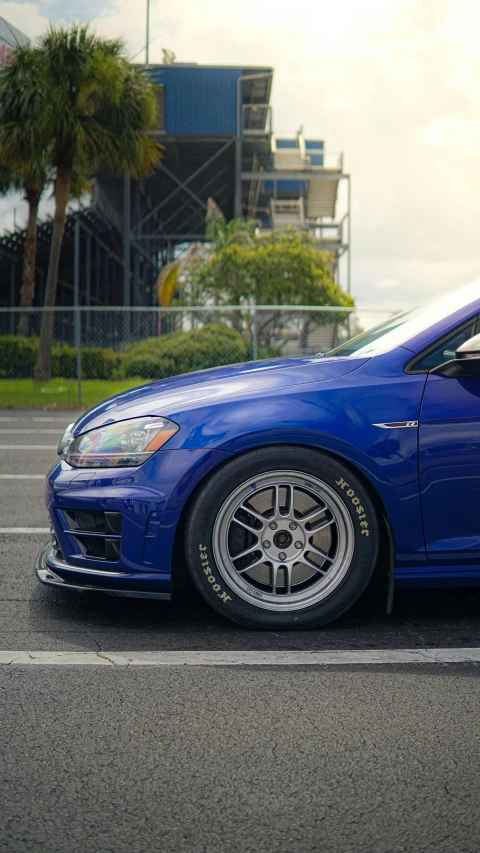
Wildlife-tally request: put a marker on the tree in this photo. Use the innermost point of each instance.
(96, 111)
(219, 233)
(32, 188)
(23, 155)
(281, 268)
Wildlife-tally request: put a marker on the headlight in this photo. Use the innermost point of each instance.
(66, 439)
(124, 444)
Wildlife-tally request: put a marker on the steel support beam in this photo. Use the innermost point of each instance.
(126, 252)
(106, 270)
(88, 284)
(146, 257)
(294, 176)
(198, 213)
(237, 204)
(182, 185)
(12, 296)
(97, 272)
(349, 262)
(76, 303)
(164, 237)
(189, 202)
(136, 300)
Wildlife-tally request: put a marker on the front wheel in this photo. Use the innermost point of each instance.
(282, 538)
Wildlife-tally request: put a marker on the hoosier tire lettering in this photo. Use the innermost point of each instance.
(211, 578)
(356, 503)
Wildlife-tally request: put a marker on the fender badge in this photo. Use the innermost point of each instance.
(398, 425)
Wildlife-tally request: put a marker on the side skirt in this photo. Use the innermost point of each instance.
(410, 577)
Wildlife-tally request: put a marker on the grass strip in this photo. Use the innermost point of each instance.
(60, 393)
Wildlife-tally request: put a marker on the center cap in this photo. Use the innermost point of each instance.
(286, 544)
(283, 539)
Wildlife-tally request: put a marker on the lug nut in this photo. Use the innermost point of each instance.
(282, 555)
(273, 525)
(266, 544)
(292, 525)
(298, 544)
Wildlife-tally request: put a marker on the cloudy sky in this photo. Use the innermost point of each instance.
(395, 84)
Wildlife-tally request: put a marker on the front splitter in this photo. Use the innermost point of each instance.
(48, 577)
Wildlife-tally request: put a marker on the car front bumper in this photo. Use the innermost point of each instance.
(48, 566)
(114, 530)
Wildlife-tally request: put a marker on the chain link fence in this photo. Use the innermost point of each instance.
(98, 351)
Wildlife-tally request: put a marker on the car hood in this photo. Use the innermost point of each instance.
(169, 396)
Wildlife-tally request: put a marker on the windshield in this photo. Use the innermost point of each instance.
(402, 327)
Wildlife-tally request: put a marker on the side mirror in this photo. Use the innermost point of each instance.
(466, 362)
(469, 349)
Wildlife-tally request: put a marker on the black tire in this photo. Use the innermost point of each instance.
(216, 585)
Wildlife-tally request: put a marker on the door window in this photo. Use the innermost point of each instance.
(443, 351)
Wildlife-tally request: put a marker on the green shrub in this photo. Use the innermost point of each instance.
(183, 352)
(18, 356)
(101, 363)
(154, 358)
(64, 361)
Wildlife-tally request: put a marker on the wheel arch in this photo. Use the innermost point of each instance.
(383, 575)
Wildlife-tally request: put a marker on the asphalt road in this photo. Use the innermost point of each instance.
(379, 758)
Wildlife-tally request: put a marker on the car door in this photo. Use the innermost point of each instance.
(449, 457)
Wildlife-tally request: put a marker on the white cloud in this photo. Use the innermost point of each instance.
(27, 17)
(386, 284)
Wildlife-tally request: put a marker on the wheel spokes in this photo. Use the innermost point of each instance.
(274, 577)
(290, 501)
(249, 550)
(314, 513)
(259, 562)
(322, 554)
(276, 501)
(306, 559)
(288, 574)
(249, 527)
(247, 508)
(322, 526)
(274, 529)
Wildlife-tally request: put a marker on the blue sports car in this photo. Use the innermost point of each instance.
(285, 485)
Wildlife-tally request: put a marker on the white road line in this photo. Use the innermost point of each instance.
(68, 419)
(323, 658)
(29, 431)
(28, 447)
(24, 530)
(23, 419)
(22, 476)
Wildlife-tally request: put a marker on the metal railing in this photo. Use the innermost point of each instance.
(126, 346)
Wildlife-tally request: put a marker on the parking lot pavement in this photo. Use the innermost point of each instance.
(217, 759)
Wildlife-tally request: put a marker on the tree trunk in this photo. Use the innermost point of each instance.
(43, 367)
(29, 260)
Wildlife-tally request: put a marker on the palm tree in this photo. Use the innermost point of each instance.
(23, 154)
(221, 233)
(98, 113)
